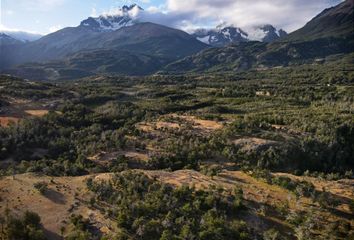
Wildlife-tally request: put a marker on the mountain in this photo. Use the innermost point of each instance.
(116, 31)
(7, 46)
(333, 22)
(110, 22)
(23, 36)
(329, 33)
(222, 36)
(142, 48)
(266, 33)
(66, 41)
(145, 38)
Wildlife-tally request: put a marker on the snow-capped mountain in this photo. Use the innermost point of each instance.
(222, 36)
(265, 33)
(123, 17)
(22, 36)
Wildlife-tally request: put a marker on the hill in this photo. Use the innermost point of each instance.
(65, 197)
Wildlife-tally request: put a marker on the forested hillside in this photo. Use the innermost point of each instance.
(295, 120)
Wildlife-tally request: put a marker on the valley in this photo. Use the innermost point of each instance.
(255, 133)
(127, 129)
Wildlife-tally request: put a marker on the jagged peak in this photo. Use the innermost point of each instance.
(114, 19)
(227, 33)
(127, 8)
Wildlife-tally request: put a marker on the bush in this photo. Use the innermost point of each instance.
(42, 187)
(27, 227)
(147, 209)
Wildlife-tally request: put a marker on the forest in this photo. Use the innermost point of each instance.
(296, 120)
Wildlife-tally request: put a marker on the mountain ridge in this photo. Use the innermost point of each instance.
(22, 36)
(312, 43)
(224, 35)
(149, 48)
(336, 21)
(145, 38)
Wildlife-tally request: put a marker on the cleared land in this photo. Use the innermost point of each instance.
(5, 121)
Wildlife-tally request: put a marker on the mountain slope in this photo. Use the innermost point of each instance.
(336, 22)
(141, 38)
(7, 46)
(136, 50)
(89, 63)
(331, 32)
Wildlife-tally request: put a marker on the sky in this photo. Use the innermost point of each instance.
(45, 16)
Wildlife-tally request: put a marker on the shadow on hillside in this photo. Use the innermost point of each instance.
(55, 197)
(270, 219)
(230, 179)
(341, 214)
(51, 235)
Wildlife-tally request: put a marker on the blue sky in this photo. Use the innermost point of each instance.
(44, 16)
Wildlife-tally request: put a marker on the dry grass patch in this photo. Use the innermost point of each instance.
(65, 196)
(210, 125)
(342, 190)
(37, 113)
(174, 121)
(6, 121)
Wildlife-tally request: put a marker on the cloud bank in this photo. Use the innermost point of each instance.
(190, 14)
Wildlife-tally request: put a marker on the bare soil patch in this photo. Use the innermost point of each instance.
(174, 121)
(37, 113)
(5, 121)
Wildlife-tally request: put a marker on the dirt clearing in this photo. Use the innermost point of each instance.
(6, 121)
(37, 113)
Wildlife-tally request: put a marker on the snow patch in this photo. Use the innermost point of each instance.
(204, 39)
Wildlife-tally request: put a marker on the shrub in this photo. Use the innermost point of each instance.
(42, 187)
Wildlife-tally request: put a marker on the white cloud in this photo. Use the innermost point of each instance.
(9, 12)
(93, 12)
(7, 29)
(289, 14)
(55, 28)
(191, 14)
